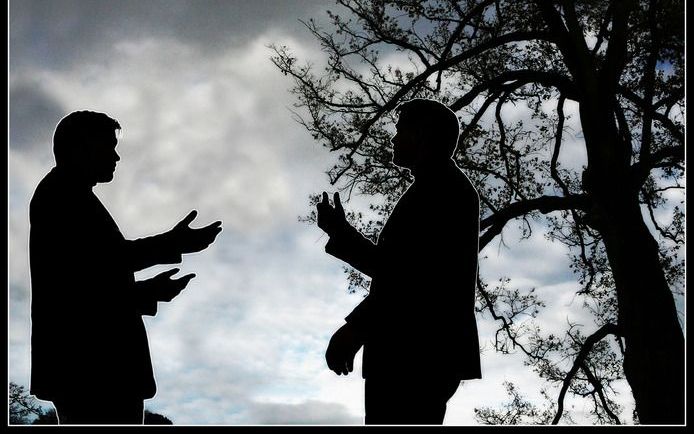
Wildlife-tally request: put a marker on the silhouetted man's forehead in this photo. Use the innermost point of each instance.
(405, 119)
(104, 137)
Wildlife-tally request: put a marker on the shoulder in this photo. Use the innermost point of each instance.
(460, 185)
(51, 197)
(45, 191)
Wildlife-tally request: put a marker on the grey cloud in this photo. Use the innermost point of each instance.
(310, 412)
(60, 33)
(33, 116)
(537, 260)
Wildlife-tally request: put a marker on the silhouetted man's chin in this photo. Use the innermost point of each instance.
(398, 161)
(105, 176)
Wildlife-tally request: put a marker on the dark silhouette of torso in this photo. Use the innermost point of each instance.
(88, 336)
(419, 314)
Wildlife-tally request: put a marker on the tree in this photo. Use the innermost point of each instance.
(49, 417)
(621, 63)
(23, 408)
(26, 410)
(156, 419)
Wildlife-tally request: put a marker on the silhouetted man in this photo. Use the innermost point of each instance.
(90, 354)
(417, 324)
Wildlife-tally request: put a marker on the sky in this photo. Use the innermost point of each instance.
(207, 125)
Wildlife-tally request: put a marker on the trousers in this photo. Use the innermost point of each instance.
(407, 401)
(96, 410)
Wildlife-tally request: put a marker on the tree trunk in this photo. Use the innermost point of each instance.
(654, 342)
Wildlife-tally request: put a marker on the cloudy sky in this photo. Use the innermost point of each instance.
(206, 125)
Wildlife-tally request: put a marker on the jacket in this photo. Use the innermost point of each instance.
(87, 333)
(419, 313)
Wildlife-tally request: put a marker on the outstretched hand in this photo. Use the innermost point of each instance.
(189, 240)
(331, 219)
(163, 288)
(342, 348)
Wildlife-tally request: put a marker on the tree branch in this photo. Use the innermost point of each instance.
(615, 56)
(526, 76)
(572, 46)
(505, 323)
(442, 65)
(641, 169)
(557, 146)
(479, 8)
(475, 120)
(607, 329)
(544, 204)
(597, 387)
(374, 25)
(648, 84)
(643, 105)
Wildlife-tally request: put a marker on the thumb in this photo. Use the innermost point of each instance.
(338, 204)
(187, 219)
(167, 274)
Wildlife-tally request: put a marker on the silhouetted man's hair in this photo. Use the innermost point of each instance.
(435, 119)
(74, 132)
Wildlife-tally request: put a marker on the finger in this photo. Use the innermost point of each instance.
(212, 227)
(185, 279)
(338, 204)
(325, 199)
(331, 365)
(350, 365)
(167, 274)
(208, 237)
(204, 237)
(212, 234)
(188, 219)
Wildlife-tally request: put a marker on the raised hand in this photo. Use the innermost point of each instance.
(341, 350)
(189, 240)
(163, 288)
(331, 219)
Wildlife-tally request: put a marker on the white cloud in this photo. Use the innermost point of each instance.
(305, 413)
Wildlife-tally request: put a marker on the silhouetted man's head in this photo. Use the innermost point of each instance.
(427, 133)
(85, 142)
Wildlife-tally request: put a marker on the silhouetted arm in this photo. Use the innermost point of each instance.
(146, 252)
(159, 288)
(346, 243)
(168, 247)
(352, 247)
(146, 302)
(360, 316)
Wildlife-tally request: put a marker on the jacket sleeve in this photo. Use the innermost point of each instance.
(362, 254)
(360, 317)
(353, 248)
(146, 303)
(146, 252)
